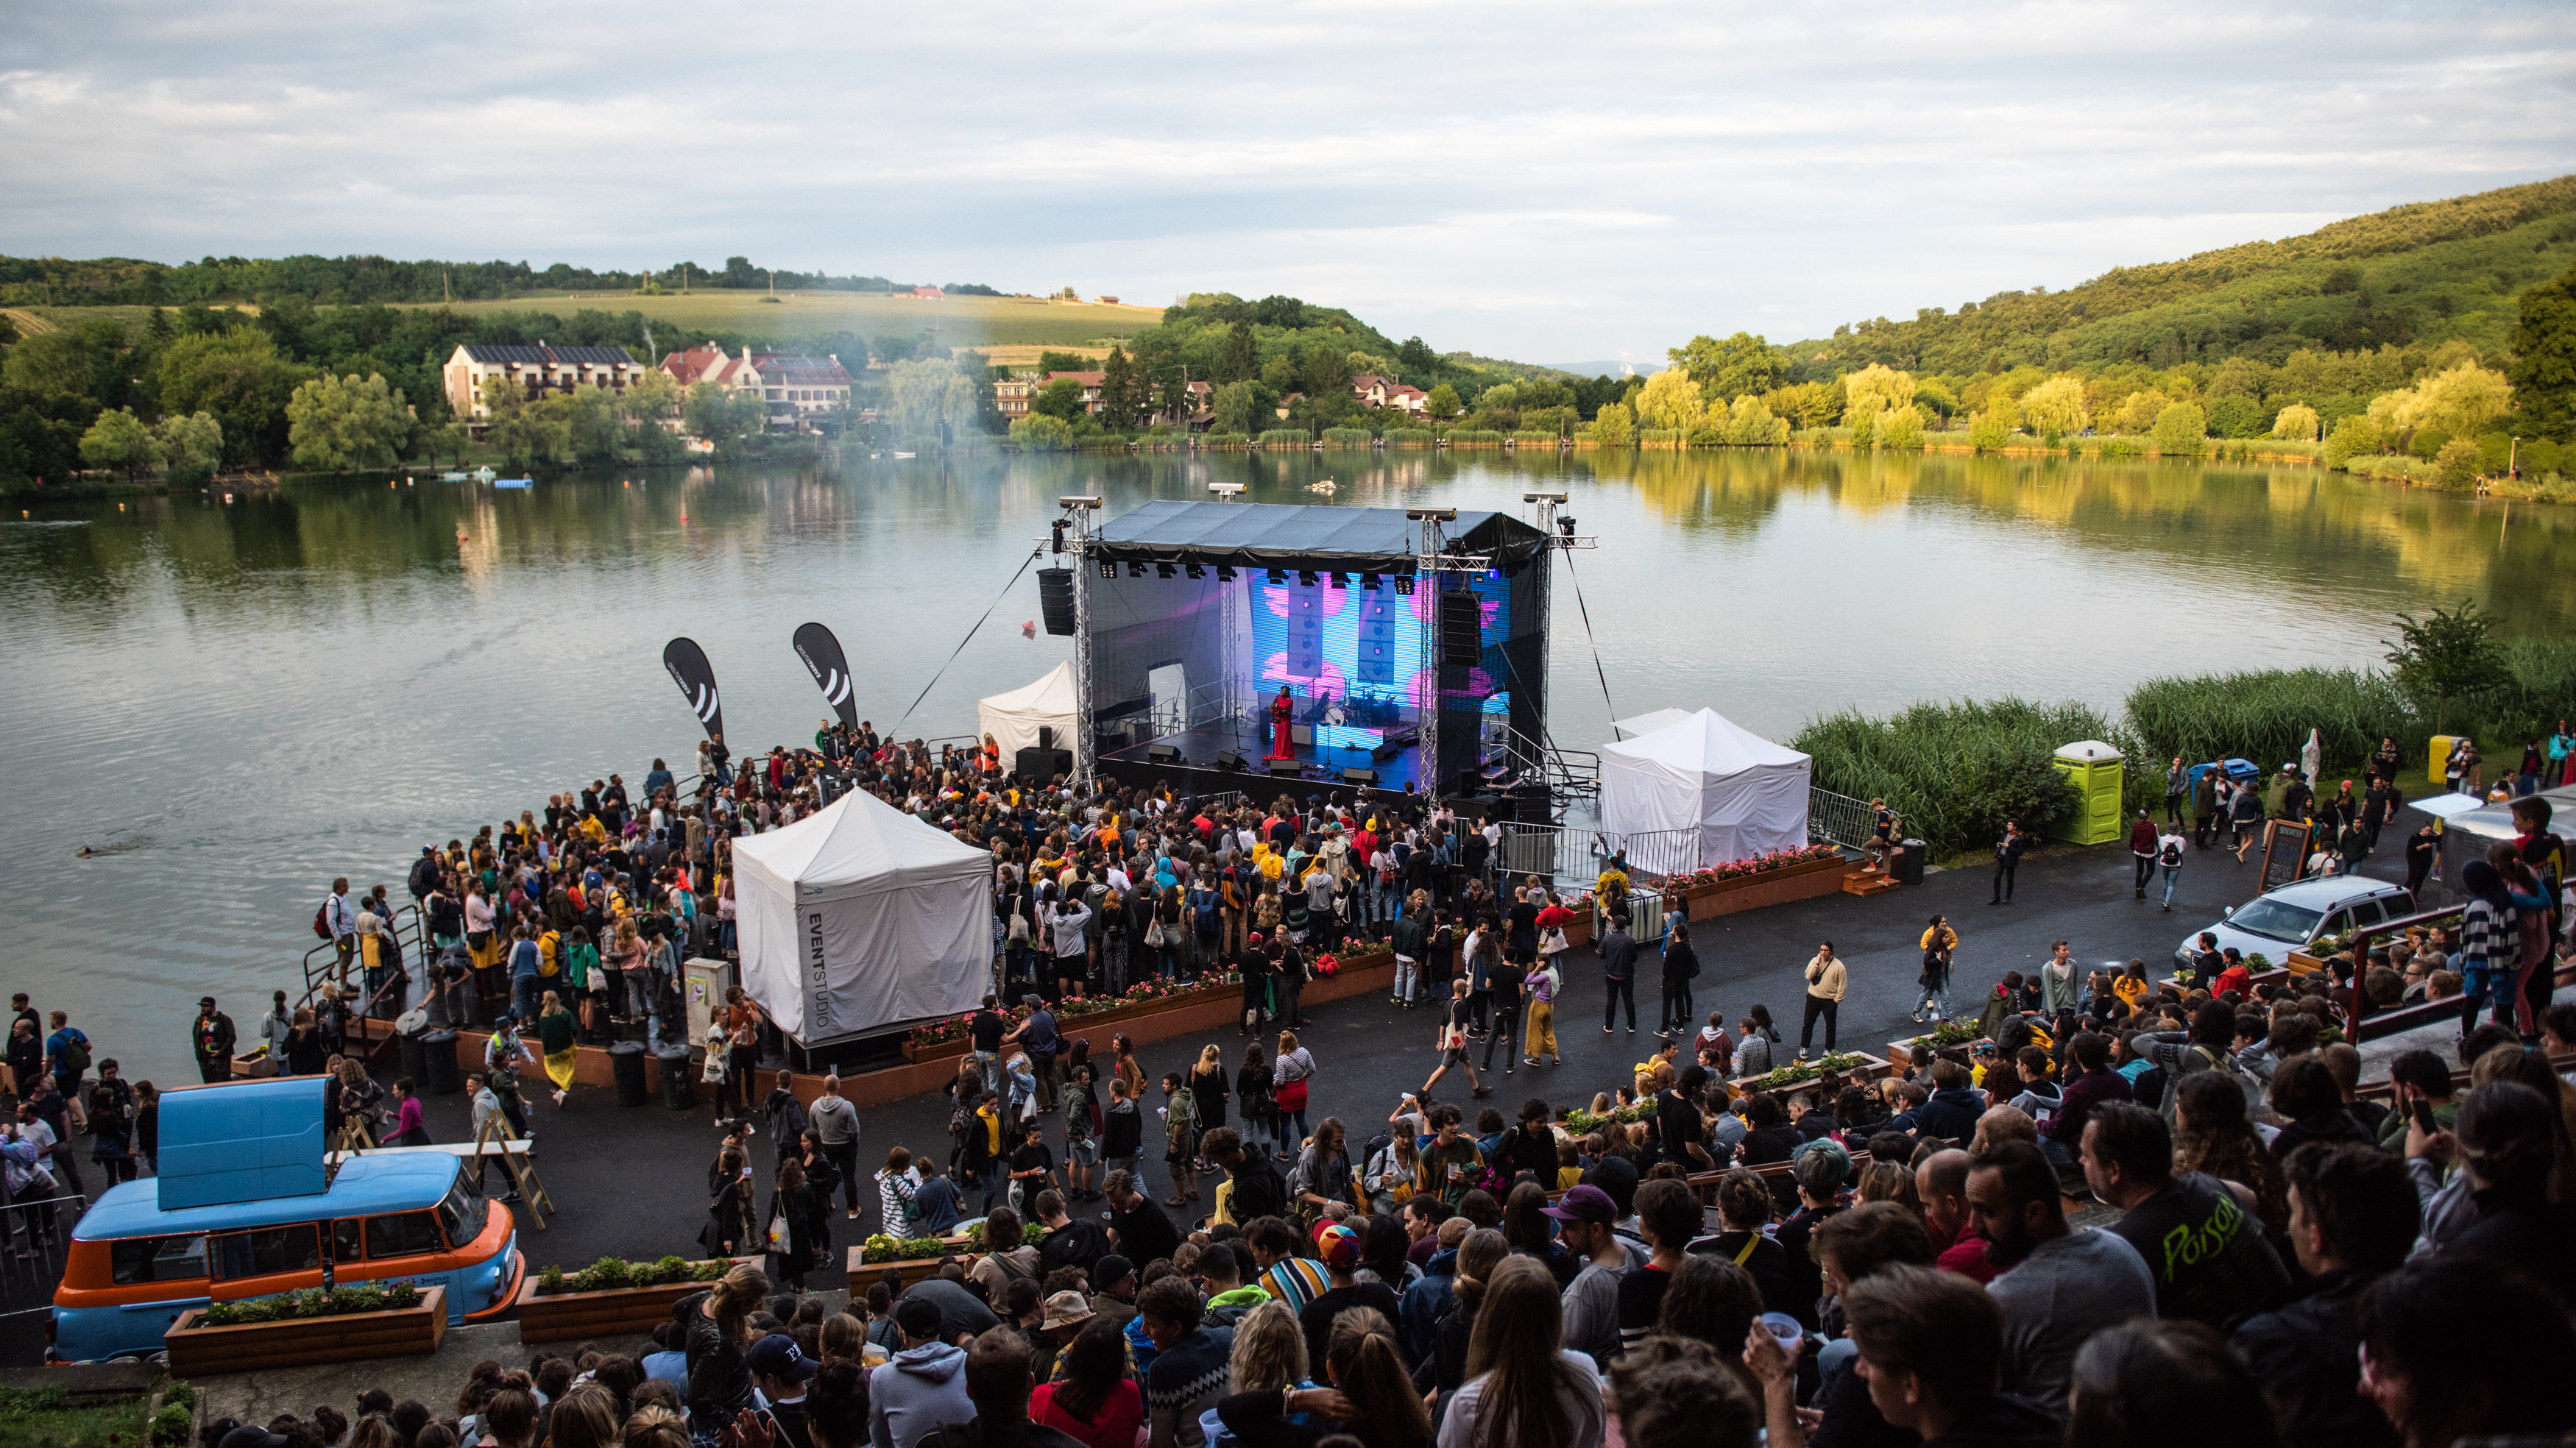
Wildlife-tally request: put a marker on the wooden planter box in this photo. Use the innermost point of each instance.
(197, 1350)
(863, 1274)
(1806, 880)
(606, 1312)
(1075, 1025)
(1870, 1069)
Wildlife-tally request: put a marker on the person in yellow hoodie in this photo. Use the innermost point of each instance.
(1827, 982)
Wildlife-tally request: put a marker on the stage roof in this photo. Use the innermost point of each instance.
(1266, 535)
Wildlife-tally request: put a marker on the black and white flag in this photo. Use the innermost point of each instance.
(831, 670)
(697, 680)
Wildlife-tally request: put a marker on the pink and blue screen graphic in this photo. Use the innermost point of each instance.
(1355, 643)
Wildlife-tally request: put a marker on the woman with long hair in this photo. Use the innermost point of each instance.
(1532, 1233)
(1092, 1398)
(1290, 1074)
(1368, 1395)
(1323, 1181)
(1269, 1353)
(717, 1339)
(1523, 1389)
(1124, 1066)
(896, 1181)
(1444, 1368)
(555, 1038)
(732, 1228)
(2213, 1134)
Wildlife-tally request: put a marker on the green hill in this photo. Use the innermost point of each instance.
(2425, 273)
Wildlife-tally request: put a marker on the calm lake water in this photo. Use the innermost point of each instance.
(235, 703)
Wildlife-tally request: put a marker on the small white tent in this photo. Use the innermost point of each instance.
(1648, 723)
(1013, 719)
(1744, 794)
(859, 918)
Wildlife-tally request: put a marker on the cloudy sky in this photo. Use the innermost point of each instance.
(1540, 181)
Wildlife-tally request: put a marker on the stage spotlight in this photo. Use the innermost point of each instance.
(1058, 528)
(1225, 573)
(1305, 579)
(1404, 584)
(1565, 525)
(1197, 572)
(1108, 569)
(1278, 575)
(1162, 570)
(1369, 582)
(1135, 570)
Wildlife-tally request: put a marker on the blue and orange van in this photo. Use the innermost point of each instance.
(247, 1206)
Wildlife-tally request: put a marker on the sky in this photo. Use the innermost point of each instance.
(1545, 182)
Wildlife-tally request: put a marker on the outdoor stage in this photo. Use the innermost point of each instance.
(1411, 645)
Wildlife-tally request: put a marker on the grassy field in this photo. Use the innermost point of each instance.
(958, 321)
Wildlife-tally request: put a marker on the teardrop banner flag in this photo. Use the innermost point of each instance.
(697, 680)
(831, 670)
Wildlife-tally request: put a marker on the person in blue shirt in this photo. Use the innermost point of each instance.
(523, 974)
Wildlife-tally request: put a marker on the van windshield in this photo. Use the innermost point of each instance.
(2277, 920)
(462, 1211)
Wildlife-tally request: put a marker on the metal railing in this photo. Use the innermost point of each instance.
(1573, 856)
(40, 1228)
(1839, 818)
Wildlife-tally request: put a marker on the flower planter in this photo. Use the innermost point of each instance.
(197, 1350)
(912, 1270)
(1805, 880)
(605, 1312)
(1070, 1025)
(1870, 1069)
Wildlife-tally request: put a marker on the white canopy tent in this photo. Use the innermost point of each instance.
(1744, 794)
(860, 918)
(1649, 722)
(1013, 719)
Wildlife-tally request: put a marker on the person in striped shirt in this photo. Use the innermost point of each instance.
(1286, 1276)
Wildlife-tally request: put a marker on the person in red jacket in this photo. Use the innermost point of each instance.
(2142, 850)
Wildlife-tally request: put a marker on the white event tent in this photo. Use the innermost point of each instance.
(1013, 719)
(1744, 794)
(860, 918)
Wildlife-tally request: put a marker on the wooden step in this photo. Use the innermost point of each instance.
(1861, 883)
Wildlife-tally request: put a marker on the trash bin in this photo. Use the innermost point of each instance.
(626, 1062)
(1909, 865)
(438, 1075)
(415, 1056)
(679, 1083)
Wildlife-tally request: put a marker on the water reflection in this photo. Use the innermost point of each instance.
(251, 698)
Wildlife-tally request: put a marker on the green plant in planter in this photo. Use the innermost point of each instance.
(550, 1281)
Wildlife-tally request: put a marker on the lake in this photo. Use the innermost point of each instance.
(235, 702)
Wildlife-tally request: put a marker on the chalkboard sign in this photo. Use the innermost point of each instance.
(2285, 850)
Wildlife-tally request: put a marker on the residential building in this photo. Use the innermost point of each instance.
(1090, 387)
(1374, 391)
(795, 388)
(927, 294)
(475, 370)
(1011, 395)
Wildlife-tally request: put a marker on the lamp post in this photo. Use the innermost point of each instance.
(2512, 451)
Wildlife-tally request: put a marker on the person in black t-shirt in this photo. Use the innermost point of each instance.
(1677, 1122)
(1033, 1163)
(2206, 1250)
(1505, 984)
(984, 1031)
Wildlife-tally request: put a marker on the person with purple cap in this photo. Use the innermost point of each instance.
(1584, 1224)
(1338, 1247)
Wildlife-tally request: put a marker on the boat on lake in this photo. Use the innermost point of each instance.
(515, 483)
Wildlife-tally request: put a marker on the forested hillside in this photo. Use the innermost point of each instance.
(2419, 274)
(338, 280)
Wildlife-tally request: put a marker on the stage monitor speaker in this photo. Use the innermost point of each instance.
(1042, 764)
(1230, 760)
(1286, 768)
(1163, 754)
(1055, 599)
(1461, 625)
(1360, 776)
(1046, 736)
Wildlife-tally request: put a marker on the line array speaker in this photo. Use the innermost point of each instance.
(1359, 776)
(1461, 622)
(1230, 760)
(1163, 754)
(1055, 599)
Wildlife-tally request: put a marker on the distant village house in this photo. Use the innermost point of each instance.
(475, 371)
(795, 388)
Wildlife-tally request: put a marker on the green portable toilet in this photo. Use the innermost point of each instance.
(2093, 767)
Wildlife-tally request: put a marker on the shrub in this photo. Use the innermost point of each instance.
(1527, 438)
(2456, 466)
(2179, 430)
(1410, 437)
(1957, 771)
(1287, 437)
(1040, 433)
(1475, 437)
(1614, 425)
(1986, 432)
(1226, 439)
(2265, 715)
(315, 1302)
(1348, 437)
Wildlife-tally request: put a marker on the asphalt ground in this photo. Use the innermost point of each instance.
(630, 1182)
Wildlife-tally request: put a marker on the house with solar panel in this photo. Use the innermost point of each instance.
(475, 372)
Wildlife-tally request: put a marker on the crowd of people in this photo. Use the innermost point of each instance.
(2258, 1252)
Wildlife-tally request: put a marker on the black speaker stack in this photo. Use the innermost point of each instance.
(1055, 599)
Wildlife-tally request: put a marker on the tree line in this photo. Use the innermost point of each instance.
(345, 280)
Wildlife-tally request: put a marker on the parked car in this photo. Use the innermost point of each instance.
(2300, 913)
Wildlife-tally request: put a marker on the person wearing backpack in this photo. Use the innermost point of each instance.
(67, 1055)
(2205, 1047)
(2169, 848)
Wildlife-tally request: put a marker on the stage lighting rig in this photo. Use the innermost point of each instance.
(1305, 579)
(1225, 573)
(1278, 575)
(1162, 570)
(1369, 582)
(1108, 568)
(1135, 570)
(1197, 572)
(1226, 492)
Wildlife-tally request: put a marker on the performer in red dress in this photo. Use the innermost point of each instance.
(1280, 709)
